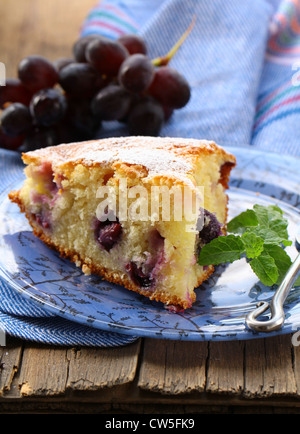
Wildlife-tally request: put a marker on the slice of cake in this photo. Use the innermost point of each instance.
(135, 210)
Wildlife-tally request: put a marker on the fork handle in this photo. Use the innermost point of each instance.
(276, 305)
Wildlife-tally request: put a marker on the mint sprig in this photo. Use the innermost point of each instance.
(259, 234)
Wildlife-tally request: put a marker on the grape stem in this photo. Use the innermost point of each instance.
(164, 60)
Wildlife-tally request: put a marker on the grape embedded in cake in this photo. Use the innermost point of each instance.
(93, 202)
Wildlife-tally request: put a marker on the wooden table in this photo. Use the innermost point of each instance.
(148, 375)
(152, 376)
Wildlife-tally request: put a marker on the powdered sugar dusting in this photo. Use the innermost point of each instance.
(154, 159)
(159, 155)
(158, 162)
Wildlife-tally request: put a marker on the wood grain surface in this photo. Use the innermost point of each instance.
(48, 28)
(149, 375)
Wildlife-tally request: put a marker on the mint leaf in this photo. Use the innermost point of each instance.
(272, 226)
(266, 213)
(272, 237)
(281, 258)
(265, 268)
(266, 222)
(240, 223)
(254, 244)
(260, 234)
(221, 250)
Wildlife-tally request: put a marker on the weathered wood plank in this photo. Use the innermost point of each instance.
(296, 359)
(269, 368)
(93, 369)
(10, 357)
(280, 377)
(51, 371)
(225, 367)
(171, 367)
(43, 372)
(254, 367)
(167, 367)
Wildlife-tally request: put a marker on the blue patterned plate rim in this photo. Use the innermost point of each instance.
(39, 274)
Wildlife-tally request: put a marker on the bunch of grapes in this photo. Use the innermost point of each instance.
(67, 100)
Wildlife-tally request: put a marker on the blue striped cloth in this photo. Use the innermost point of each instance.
(242, 60)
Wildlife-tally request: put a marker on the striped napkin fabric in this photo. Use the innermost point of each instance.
(242, 60)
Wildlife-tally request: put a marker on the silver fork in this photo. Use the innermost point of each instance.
(276, 306)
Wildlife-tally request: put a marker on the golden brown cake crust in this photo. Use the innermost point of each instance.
(177, 157)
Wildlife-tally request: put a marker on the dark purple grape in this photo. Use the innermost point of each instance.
(11, 143)
(81, 80)
(48, 107)
(14, 91)
(168, 111)
(81, 118)
(211, 228)
(170, 88)
(111, 103)
(108, 233)
(106, 56)
(80, 45)
(66, 133)
(37, 72)
(16, 120)
(137, 275)
(134, 43)
(145, 118)
(62, 62)
(39, 138)
(136, 73)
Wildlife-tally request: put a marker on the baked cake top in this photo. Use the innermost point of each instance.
(176, 156)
